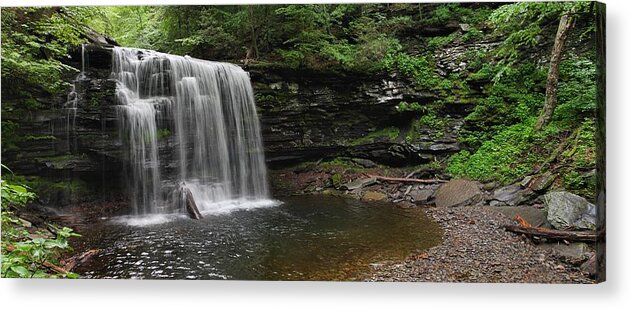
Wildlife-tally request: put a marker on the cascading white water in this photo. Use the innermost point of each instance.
(71, 105)
(209, 109)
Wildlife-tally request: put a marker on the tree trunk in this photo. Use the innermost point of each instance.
(553, 73)
(253, 32)
(393, 179)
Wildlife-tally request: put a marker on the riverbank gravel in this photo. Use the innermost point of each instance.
(476, 248)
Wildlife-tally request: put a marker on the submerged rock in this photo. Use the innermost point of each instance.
(371, 196)
(567, 210)
(459, 192)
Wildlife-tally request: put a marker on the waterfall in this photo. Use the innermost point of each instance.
(207, 111)
(71, 105)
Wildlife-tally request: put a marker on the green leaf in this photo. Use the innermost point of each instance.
(21, 271)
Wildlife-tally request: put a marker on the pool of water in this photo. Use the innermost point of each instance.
(304, 238)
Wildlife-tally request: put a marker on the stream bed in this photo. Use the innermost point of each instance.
(304, 238)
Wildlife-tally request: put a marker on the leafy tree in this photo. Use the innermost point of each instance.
(34, 40)
(533, 16)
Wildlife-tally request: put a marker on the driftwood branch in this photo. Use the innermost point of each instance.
(392, 179)
(525, 228)
(553, 234)
(70, 263)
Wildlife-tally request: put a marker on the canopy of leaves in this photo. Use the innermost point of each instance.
(34, 40)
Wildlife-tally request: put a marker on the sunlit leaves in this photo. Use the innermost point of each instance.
(33, 42)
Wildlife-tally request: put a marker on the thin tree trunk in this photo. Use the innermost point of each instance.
(553, 73)
(253, 32)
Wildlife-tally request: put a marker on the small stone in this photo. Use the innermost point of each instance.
(373, 196)
(364, 162)
(26, 224)
(489, 186)
(406, 204)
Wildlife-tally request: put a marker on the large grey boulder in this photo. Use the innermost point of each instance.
(569, 211)
(459, 192)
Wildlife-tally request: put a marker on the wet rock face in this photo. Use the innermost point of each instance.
(305, 115)
(80, 148)
(309, 115)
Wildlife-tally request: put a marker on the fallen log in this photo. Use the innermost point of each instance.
(359, 183)
(393, 179)
(191, 206)
(553, 234)
(70, 263)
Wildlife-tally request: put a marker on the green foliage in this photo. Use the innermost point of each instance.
(431, 120)
(136, 26)
(521, 24)
(24, 254)
(502, 158)
(471, 35)
(420, 68)
(163, 133)
(388, 134)
(14, 194)
(577, 90)
(515, 98)
(582, 151)
(33, 42)
(410, 107)
(440, 41)
(336, 180)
